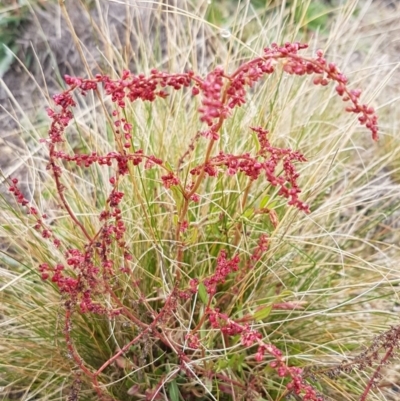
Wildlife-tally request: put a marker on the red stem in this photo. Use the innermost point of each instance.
(376, 374)
(62, 197)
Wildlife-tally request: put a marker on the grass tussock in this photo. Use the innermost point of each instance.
(313, 295)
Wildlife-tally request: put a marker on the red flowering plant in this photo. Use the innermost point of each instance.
(160, 274)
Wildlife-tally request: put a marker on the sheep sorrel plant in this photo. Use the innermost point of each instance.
(185, 295)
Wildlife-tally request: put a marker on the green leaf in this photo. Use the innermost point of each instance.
(256, 141)
(273, 205)
(263, 313)
(222, 364)
(264, 202)
(177, 195)
(284, 294)
(173, 391)
(203, 293)
(248, 213)
(168, 166)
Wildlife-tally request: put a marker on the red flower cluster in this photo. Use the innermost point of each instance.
(170, 180)
(223, 269)
(261, 248)
(213, 105)
(249, 337)
(19, 197)
(253, 167)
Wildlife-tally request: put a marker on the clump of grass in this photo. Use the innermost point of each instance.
(162, 260)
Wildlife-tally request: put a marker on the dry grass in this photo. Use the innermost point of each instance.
(340, 262)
